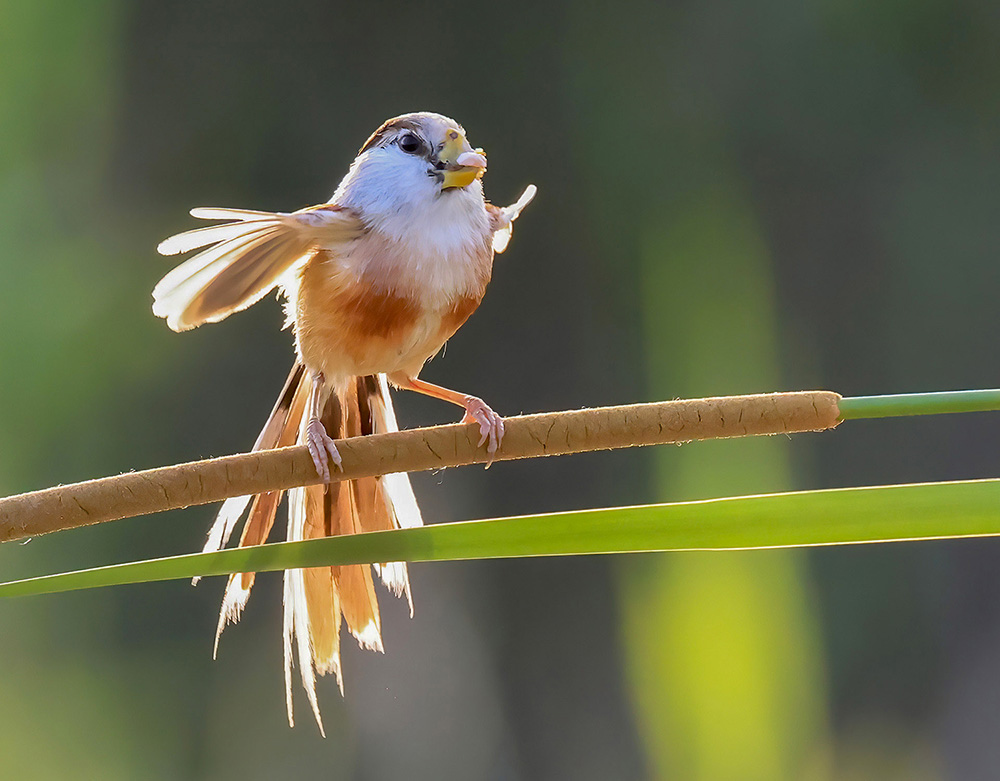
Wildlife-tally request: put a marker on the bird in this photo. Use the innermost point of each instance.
(375, 281)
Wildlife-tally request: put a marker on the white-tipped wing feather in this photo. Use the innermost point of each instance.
(510, 213)
(244, 260)
(201, 237)
(223, 213)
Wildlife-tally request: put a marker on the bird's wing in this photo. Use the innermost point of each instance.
(502, 218)
(244, 260)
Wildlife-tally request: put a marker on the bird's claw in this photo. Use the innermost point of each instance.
(490, 425)
(322, 449)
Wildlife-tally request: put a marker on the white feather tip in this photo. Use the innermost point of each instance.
(502, 237)
(526, 197)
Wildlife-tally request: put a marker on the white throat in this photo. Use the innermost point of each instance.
(429, 244)
(394, 196)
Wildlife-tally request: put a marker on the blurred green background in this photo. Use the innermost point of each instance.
(733, 198)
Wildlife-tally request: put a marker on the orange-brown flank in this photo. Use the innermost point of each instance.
(460, 311)
(348, 326)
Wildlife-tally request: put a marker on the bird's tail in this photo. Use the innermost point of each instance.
(316, 599)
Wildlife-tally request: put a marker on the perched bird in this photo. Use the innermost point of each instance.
(376, 281)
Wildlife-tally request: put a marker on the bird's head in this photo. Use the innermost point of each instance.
(428, 146)
(418, 175)
(412, 159)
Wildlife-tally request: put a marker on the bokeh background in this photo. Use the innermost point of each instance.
(732, 198)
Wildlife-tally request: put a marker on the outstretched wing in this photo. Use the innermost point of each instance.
(502, 218)
(244, 260)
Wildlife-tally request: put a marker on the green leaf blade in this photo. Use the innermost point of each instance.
(786, 520)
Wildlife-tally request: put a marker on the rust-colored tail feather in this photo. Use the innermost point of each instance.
(316, 600)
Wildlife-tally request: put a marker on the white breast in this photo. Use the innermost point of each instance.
(423, 241)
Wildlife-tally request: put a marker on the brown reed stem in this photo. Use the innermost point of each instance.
(415, 450)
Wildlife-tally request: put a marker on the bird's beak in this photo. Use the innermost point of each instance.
(462, 164)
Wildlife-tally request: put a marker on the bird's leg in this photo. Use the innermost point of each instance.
(476, 410)
(320, 444)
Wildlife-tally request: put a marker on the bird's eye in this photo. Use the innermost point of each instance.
(409, 143)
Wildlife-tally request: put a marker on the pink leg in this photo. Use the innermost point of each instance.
(476, 410)
(320, 444)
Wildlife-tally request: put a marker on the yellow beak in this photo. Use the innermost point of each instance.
(463, 164)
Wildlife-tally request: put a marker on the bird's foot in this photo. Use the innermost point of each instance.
(321, 448)
(490, 424)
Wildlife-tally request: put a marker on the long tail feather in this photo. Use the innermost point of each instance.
(341, 514)
(395, 489)
(323, 600)
(296, 616)
(281, 430)
(277, 423)
(319, 600)
(255, 532)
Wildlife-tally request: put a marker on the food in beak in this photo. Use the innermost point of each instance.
(473, 159)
